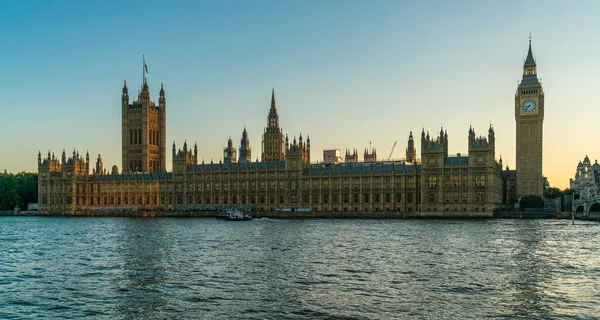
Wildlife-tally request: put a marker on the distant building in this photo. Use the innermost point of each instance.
(332, 156)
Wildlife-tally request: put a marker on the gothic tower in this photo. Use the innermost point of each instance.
(411, 152)
(144, 135)
(229, 153)
(245, 150)
(529, 117)
(272, 144)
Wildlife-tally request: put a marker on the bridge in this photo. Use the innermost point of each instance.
(587, 208)
(586, 186)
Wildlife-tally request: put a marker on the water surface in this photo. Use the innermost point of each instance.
(186, 268)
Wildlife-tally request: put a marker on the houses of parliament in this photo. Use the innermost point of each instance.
(437, 183)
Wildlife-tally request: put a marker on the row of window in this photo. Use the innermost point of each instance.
(250, 199)
(478, 180)
(528, 92)
(135, 137)
(478, 197)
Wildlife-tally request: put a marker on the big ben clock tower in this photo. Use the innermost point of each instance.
(529, 116)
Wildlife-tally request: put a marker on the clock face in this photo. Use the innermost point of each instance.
(529, 105)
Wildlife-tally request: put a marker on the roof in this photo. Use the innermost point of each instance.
(456, 161)
(358, 168)
(243, 166)
(134, 176)
(529, 81)
(509, 173)
(529, 61)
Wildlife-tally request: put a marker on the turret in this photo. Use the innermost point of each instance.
(144, 96)
(229, 153)
(287, 142)
(183, 158)
(195, 153)
(87, 162)
(434, 150)
(296, 154)
(245, 151)
(161, 99)
(411, 152)
(99, 165)
(308, 149)
(370, 155)
(481, 149)
(491, 136)
(125, 95)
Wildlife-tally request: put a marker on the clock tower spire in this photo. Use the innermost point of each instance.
(529, 117)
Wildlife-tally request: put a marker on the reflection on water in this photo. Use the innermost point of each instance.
(153, 268)
(144, 246)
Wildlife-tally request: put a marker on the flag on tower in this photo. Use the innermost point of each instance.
(145, 66)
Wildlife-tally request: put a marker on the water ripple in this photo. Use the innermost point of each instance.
(72, 268)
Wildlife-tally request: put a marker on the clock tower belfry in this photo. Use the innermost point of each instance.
(529, 117)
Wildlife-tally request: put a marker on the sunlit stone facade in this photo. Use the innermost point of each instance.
(439, 184)
(284, 180)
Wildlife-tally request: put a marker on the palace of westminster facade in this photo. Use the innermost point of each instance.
(285, 178)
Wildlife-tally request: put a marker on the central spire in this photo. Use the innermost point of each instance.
(273, 99)
(273, 118)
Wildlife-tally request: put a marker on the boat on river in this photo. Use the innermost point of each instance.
(234, 215)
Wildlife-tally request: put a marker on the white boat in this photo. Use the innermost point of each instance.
(234, 215)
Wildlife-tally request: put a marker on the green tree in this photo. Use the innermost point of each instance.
(552, 193)
(531, 201)
(17, 189)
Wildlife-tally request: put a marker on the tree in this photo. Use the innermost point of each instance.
(531, 201)
(17, 189)
(552, 193)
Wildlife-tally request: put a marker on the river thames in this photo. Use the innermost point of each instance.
(186, 268)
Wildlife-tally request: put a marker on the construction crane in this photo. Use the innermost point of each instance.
(394, 146)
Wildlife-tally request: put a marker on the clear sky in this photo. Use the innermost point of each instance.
(344, 72)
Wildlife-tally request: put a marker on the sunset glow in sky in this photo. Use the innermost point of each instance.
(345, 72)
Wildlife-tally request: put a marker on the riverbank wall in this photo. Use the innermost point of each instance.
(319, 214)
(278, 214)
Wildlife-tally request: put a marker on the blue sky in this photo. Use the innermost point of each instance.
(345, 72)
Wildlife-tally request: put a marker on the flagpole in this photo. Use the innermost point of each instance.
(143, 70)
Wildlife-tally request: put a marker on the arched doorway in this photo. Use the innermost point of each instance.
(579, 212)
(594, 210)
